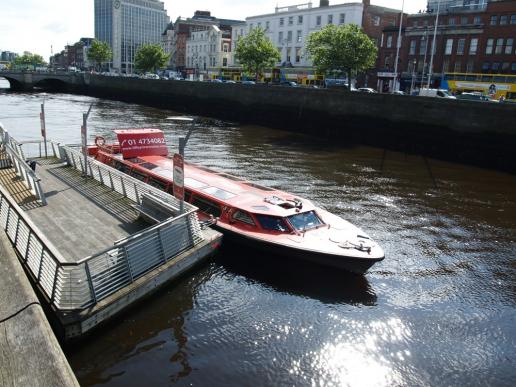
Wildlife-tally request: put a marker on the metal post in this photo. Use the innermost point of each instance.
(44, 127)
(398, 44)
(182, 144)
(433, 46)
(84, 135)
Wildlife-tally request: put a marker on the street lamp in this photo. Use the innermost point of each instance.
(398, 45)
(179, 174)
(433, 45)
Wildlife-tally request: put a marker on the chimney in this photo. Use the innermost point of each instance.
(324, 3)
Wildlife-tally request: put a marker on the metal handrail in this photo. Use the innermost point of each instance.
(14, 151)
(82, 284)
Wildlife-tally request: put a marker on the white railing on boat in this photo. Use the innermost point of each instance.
(82, 284)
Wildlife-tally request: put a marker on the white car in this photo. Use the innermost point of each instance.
(366, 90)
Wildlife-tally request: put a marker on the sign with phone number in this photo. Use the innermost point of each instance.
(141, 142)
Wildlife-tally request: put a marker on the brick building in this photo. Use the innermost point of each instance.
(468, 39)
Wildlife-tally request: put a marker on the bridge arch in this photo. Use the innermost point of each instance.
(14, 83)
(51, 83)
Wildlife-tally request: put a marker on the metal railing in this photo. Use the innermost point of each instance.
(79, 285)
(16, 156)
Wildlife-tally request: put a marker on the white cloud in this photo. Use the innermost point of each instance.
(35, 25)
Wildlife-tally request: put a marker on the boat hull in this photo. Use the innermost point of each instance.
(348, 263)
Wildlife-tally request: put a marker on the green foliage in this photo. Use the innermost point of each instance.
(256, 52)
(30, 59)
(150, 57)
(343, 49)
(99, 52)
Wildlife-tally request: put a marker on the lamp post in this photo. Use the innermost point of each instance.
(433, 45)
(398, 45)
(178, 177)
(413, 77)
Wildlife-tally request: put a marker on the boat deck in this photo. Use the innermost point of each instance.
(82, 216)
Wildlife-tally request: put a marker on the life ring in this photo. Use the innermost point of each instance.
(99, 141)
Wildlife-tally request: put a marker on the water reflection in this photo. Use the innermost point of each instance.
(299, 278)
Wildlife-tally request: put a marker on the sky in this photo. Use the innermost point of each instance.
(36, 25)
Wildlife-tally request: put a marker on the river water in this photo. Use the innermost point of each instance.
(440, 310)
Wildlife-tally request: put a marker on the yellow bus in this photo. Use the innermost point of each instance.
(493, 85)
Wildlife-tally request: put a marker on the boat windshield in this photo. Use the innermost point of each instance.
(272, 223)
(305, 220)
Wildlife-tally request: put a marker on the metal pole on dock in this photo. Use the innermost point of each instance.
(179, 191)
(84, 137)
(43, 128)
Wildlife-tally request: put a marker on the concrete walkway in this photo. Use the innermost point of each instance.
(30, 354)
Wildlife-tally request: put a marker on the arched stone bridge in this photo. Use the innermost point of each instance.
(26, 80)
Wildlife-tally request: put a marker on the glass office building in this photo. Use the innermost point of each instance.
(127, 24)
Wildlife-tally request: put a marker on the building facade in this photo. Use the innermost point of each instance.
(470, 40)
(128, 24)
(288, 27)
(201, 42)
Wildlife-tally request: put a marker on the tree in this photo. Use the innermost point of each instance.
(256, 52)
(150, 57)
(99, 52)
(30, 59)
(344, 49)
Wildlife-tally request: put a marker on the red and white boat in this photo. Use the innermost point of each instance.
(249, 214)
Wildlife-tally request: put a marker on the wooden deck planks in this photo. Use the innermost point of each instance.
(82, 217)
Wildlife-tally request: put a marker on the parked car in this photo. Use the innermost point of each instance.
(399, 92)
(366, 90)
(439, 93)
(229, 81)
(248, 83)
(475, 97)
(288, 83)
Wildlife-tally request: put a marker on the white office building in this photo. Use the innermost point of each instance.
(289, 27)
(128, 24)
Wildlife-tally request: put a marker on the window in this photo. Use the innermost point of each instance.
(469, 66)
(267, 25)
(508, 46)
(412, 50)
(422, 46)
(207, 206)
(513, 19)
(503, 20)
(451, 21)
(342, 18)
(414, 23)
(513, 67)
(477, 20)
(389, 41)
(299, 36)
(298, 54)
(289, 51)
(458, 66)
(499, 46)
(318, 21)
(305, 221)
(272, 223)
(473, 46)
(280, 37)
(138, 175)
(290, 20)
(281, 21)
(505, 66)
(243, 217)
(446, 65)
(330, 19)
(289, 36)
(496, 66)
(464, 20)
(494, 20)
(449, 47)
(486, 66)
(259, 26)
(157, 183)
(376, 21)
(489, 46)
(460, 46)
(224, 62)
(300, 19)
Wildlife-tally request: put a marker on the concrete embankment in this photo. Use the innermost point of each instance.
(30, 354)
(482, 134)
